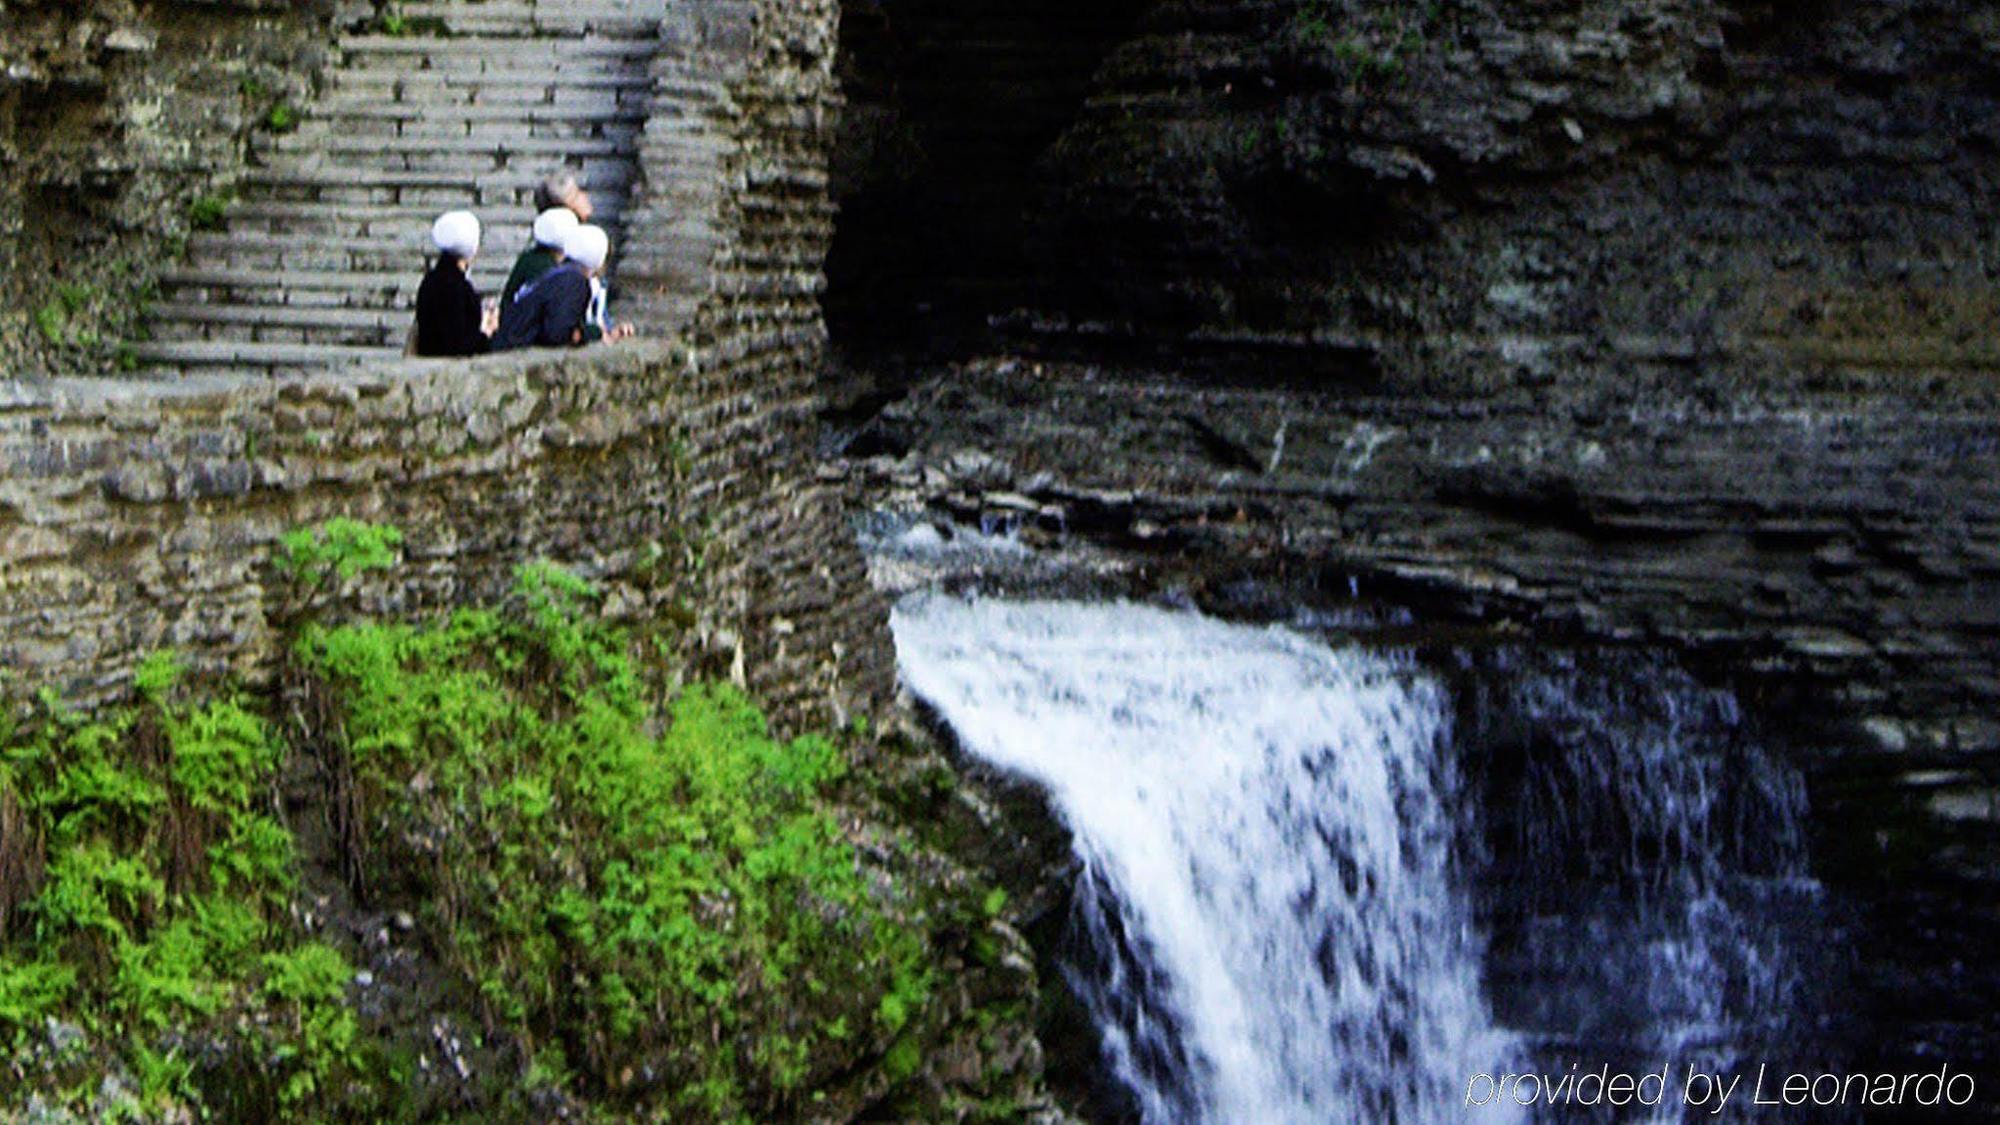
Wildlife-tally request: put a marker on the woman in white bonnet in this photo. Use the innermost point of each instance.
(450, 321)
(545, 252)
(554, 310)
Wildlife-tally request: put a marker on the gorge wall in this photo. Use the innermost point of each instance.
(674, 473)
(1668, 317)
(1665, 322)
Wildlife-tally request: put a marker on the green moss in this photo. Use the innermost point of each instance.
(1373, 43)
(208, 211)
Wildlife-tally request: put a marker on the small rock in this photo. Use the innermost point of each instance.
(365, 979)
(62, 1036)
(129, 40)
(1888, 734)
(403, 921)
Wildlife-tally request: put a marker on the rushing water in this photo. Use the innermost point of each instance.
(1324, 885)
(1265, 838)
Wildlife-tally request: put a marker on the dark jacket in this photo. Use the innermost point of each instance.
(448, 312)
(547, 313)
(528, 269)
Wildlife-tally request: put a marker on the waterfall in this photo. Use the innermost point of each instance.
(1651, 898)
(1265, 829)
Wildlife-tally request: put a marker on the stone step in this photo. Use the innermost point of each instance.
(574, 74)
(369, 82)
(514, 21)
(389, 147)
(335, 220)
(520, 11)
(645, 28)
(362, 113)
(238, 354)
(283, 315)
(468, 172)
(251, 249)
(489, 49)
(579, 93)
(471, 170)
(464, 57)
(372, 289)
(375, 105)
(366, 327)
(439, 190)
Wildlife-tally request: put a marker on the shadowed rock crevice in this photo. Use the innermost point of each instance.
(951, 108)
(1481, 193)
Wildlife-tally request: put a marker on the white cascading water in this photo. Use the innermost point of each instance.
(1265, 829)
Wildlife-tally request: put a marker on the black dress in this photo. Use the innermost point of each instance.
(448, 312)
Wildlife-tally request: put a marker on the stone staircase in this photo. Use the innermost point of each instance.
(319, 258)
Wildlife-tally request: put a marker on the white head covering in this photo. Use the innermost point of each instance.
(552, 227)
(587, 246)
(457, 232)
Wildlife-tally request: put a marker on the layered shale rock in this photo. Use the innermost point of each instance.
(1666, 322)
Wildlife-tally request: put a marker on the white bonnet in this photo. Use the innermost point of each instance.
(457, 232)
(552, 227)
(587, 246)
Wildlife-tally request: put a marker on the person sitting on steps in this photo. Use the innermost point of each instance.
(598, 318)
(561, 189)
(450, 318)
(551, 228)
(554, 311)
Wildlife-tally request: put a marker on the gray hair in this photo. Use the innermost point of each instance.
(556, 190)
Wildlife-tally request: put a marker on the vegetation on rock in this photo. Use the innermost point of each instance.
(650, 900)
(631, 899)
(147, 961)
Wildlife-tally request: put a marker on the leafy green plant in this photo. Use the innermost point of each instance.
(52, 322)
(207, 212)
(281, 118)
(160, 919)
(58, 318)
(339, 548)
(624, 899)
(321, 558)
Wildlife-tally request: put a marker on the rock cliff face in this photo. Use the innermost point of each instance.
(1661, 321)
(1668, 318)
(115, 117)
(1457, 193)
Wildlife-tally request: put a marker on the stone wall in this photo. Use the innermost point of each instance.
(674, 472)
